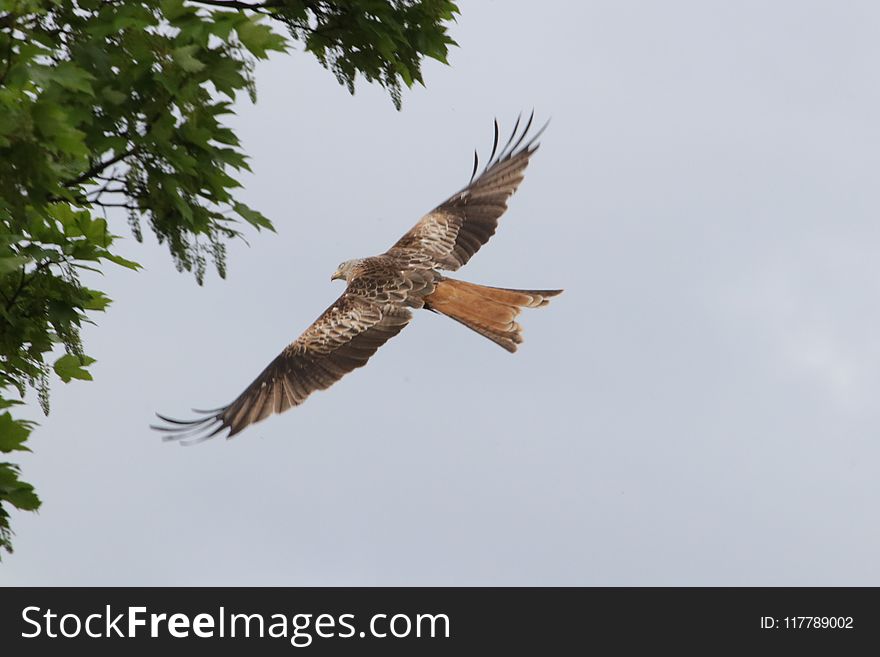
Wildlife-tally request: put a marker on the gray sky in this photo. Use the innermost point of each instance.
(699, 407)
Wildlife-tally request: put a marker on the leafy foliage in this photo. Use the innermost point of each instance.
(110, 106)
(383, 41)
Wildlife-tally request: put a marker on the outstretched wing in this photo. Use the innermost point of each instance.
(456, 229)
(340, 340)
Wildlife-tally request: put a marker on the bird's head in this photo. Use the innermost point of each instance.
(345, 270)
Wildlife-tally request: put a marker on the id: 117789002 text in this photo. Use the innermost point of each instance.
(807, 623)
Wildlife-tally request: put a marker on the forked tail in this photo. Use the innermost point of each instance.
(490, 311)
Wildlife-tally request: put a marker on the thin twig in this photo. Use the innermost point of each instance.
(231, 4)
(22, 283)
(114, 205)
(98, 168)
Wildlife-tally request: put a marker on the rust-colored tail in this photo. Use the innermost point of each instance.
(490, 311)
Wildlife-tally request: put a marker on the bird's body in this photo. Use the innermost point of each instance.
(381, 293)
(397, 279)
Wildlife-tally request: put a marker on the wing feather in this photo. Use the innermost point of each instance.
(450, 234)
(342, 339)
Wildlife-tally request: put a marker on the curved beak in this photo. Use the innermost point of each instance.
(337, 275)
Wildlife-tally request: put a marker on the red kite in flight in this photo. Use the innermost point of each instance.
(381, 291)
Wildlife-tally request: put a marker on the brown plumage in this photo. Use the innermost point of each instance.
(380, 293)
(490, 311)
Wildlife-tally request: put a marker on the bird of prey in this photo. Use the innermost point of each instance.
(383, 289)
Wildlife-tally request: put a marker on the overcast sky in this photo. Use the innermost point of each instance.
(699, 407)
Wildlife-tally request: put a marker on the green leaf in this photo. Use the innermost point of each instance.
(226, 76)
(71, 367)
(13, 433)
(119, 260)
(12, 263)
(185, 58)
(225, 22)
(54, 125)
(259, 38)
(95, 231)
(97, 300)
(174, 9)
(113, 96)
(70, 76)
(18, 493)
(256, 219)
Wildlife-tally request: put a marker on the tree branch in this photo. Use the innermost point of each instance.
(114, 205)
(108, 190)
(232, 4)
(98, 168)
(15, 294)
(25, 280)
